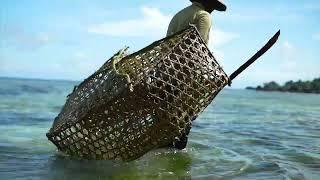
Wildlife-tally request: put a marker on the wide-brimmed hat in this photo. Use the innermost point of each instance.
(218, 4)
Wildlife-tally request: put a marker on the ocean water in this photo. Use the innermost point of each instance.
(242, 135)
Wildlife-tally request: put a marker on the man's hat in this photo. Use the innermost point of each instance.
(218, 4)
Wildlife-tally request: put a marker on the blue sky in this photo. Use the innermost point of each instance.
(70, 39)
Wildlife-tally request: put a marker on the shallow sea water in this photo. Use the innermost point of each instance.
(242, 135)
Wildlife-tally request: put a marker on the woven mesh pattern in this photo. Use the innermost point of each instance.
(139, 102)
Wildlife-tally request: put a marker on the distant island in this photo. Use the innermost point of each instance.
(291, 86)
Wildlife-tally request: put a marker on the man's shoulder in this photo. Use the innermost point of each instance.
(203, 14)
(192, 14)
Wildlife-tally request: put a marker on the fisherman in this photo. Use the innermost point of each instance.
(197, 14)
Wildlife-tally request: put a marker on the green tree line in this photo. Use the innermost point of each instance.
(291, 86)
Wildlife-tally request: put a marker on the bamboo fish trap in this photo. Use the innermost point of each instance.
(139, 102)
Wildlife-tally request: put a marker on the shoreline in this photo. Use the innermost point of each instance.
(309, 87)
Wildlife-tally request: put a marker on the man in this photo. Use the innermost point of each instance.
(197, 14)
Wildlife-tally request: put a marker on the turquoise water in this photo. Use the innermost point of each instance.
(242, 135)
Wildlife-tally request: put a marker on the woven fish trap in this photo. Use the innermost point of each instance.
(139, 102)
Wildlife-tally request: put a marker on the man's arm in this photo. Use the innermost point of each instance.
(172, 28)
(203, 24)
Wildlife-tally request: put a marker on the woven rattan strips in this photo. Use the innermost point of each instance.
(139, 102)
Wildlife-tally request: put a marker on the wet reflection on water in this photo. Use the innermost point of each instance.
(156, 164)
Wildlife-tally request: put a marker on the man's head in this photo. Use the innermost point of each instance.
(211, 5)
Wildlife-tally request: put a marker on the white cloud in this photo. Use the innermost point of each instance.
(276, 12)
(32, 41)
(152, 23)
(22, 39)
(289, 56)
(42, 38)
(287, 51)
(80, 55)
(219, 55)
(316, 36)
(75, 68)
(282, 66)
(286, 61)
(219, 38)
